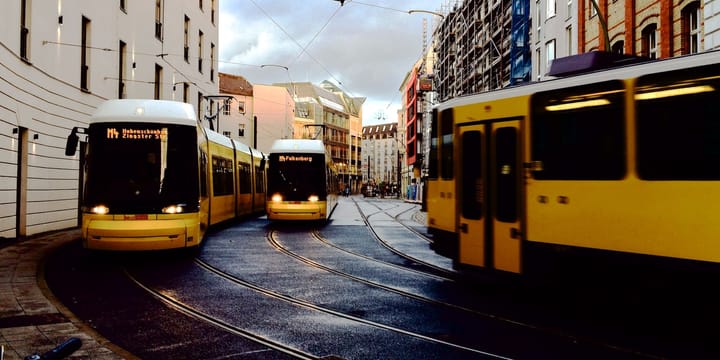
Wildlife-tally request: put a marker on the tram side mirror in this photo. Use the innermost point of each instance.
(72, 140)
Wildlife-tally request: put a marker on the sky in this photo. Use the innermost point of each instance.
(365, 47)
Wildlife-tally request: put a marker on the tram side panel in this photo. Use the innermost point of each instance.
(488, 176)
(627, 176)
(222, 184)
(244, 187)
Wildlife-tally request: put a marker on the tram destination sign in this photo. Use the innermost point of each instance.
(137, 134)
(295, 158)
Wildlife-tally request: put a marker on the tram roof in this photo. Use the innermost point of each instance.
(145, 111)
(619, 73)
(304, 146)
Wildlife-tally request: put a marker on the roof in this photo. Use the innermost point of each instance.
(235, 85)
(380, 129)
(304, 146)
(145, 110)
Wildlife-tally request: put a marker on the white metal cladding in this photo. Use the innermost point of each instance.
(298, 146)
(219, 139)
(144, 110)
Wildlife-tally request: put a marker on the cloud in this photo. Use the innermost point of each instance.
(365, 47)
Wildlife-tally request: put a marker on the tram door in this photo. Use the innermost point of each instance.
(489, 186)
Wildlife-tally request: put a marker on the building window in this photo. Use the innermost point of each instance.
(241, 107)
(550, 52)
(538, 59)
(550, 8)
(618, 47)
(186, 40)
(569, 9)
(539, 18)
(568, 39)
(158, 81)
(186, 92)
(212, 62)
(122, 63)
(226, 108)
(24, 30)
(122, 5)
(691, 28)
(200, 51)
(84, 54)
(158, 19)
(649, 41)
(199, 106)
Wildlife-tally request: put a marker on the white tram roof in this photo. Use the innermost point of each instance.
(619, 73)
(145, 111)
(218, 138)
(303, 146)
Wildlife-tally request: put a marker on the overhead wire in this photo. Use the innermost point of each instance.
(304, 48)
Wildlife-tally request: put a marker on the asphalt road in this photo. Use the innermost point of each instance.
(257, 290)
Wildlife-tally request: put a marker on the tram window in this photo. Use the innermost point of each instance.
(222, 176)
(244, 178)
(579, 133)
(678, 131)
(259, 183)
(203, 174)
(446, 150)
(506, 174)
(473, 193)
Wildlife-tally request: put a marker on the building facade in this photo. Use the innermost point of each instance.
(553, 34)
(381, 150)
(325, 112)
(650, 28)
(59, 60)
(480, 42)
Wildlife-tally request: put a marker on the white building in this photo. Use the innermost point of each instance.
(711, 21)
(554, 33)
(59, 60)
(380, 150)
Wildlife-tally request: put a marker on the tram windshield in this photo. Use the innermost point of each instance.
(135, 168)
(297, 176)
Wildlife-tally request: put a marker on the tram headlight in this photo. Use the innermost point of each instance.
(313, 198)
(173, 209)
(276, 198)
(100, 210)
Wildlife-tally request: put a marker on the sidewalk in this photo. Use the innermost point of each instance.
(31, 319)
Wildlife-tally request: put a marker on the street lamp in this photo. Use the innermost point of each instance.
(427, 12)
(292, 85)
(226, 99)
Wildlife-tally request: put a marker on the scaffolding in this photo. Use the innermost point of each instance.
(480, 46)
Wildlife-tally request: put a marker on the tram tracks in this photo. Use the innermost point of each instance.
(553, 332)
(203, 316)
(267, 291)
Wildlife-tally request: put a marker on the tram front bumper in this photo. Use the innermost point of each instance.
(295, 212)
(135, 235)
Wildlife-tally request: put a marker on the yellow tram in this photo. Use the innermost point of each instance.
(618, 164)
(302, 181)
(154, 178)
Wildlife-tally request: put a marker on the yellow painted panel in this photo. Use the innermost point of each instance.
(665, 218)
(441, 205)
